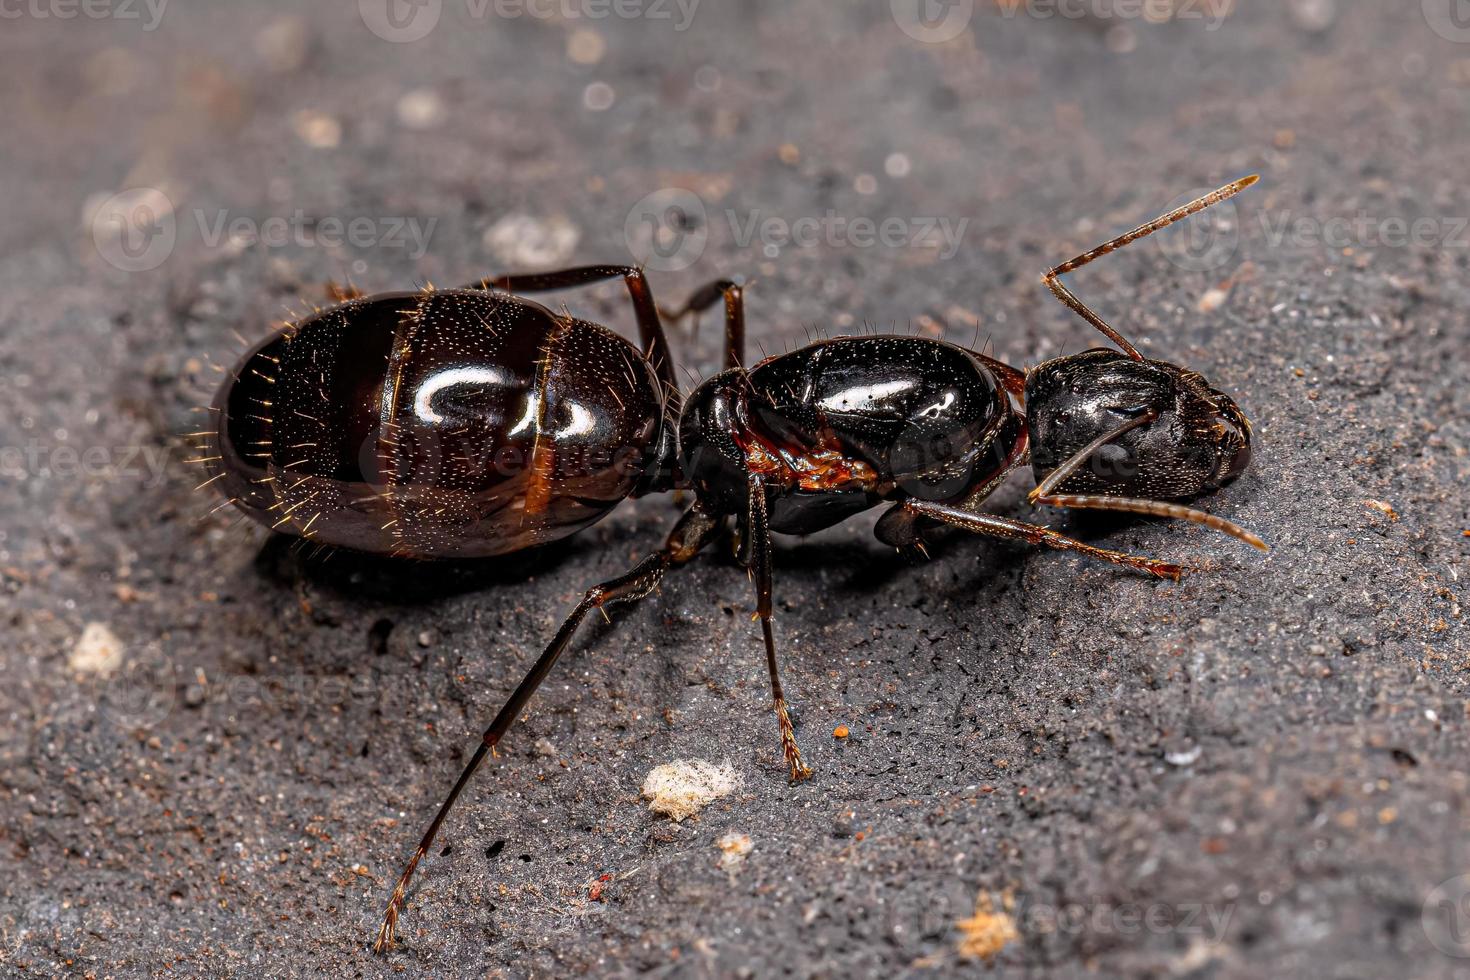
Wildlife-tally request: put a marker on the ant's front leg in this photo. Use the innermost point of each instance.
(1046, 491)
(900, 527)
(758, 548)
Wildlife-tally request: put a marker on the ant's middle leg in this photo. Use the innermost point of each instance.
(650, 328)
(694, 530)
(758, 548)
(901, 528)
(708, 295)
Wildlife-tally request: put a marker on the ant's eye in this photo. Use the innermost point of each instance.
(1128, 411)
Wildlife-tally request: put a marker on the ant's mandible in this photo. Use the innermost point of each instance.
(473, 422)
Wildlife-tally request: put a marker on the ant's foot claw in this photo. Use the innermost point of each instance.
(789, 748)
(384, 942)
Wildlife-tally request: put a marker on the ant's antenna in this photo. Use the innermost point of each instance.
(1043, 494)
(1053, 280)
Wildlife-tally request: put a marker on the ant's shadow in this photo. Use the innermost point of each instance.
(873, 566)
(374, 578)
(397, 581)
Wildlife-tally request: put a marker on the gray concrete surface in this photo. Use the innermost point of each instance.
(1260, 771)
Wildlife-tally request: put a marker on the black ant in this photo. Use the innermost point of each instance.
(471, 422)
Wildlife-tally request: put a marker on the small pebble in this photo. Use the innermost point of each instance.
(733, 849)
(990, 930)
(421, 109)
(98, 651)
(317, 129)
(284, 43)
(1383, 507)
(1212, 300)
(1186, 757)
(586, 47)
(1314, 16)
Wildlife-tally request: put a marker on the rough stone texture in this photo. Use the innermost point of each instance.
(1268, 759)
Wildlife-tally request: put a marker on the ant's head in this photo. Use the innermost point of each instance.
(1151, 430)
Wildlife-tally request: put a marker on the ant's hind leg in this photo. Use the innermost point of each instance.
(900, 528)
(650, 328)
(694, 530)
(708, 295)
(759, 544)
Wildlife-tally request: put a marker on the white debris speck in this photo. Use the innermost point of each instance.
(683, 787)
(99, 651)
(1212, 300)
(421, 108)
(317, 129)
(586, 47)
(284, 44)
(733, 848)
(523, 241)
(599, 96)
(1185, 758)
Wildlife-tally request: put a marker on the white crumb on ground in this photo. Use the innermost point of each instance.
(683, 787)
(99, 651)
(733, 848)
